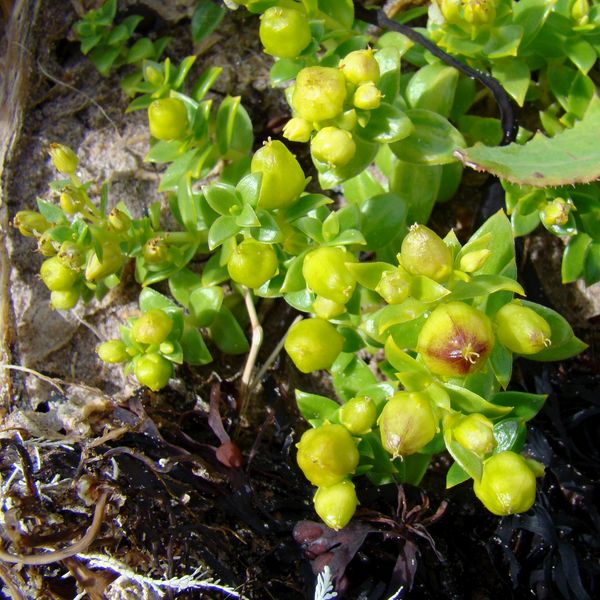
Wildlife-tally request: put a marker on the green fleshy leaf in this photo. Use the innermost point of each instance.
(330, 177)
(233, 129)
(386, 124)
(501, 361)
(204, 304)
(465, 401)
(227, 334)
(592, 264)
(349, 375)
(369, 274)
(181, 285)
(382, 218)
(455, 476)
(360, 188)
(510, 435)
(316, 409)
(206, 19)
(433, 141)
(194, 348)
(514, 75)
(432, 88)
(150, 299)
(284, 70)
(572, 156)
(221, 230)
(484, 285)
(524, 406)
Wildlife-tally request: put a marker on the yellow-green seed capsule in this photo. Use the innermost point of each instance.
(112, 351)
(556, 212)
(521, 329)
(63, 158)
(333, 146)
(319, 93)
(30, 223)
(46, 246)
(325, 272)
(112, 261)
(119, 220)
(153, 371)
(71, 201)
(56, 276)
(475, 432)
(472, 261)
(156, 251)
(580, 11)
(456, 340)
(358, 415)
(64, 299)
(327, 454)
(284, 32)
(451, 10)
(252, 263)
(297, 130)
(168, 119)
(507, 485)
(367, 97)
(423, 252)
(152, 327)
(336, 504)
(70, 255)
(407, 423)
(313, 344)
(479, 12)
(282, 176)
(360, 67)
(394, 286)
(327, 309)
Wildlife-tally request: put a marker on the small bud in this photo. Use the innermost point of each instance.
(153, 75)
(63, 158)
(450, 9)
(336, 504)
(46, 245)
(507, 485)
(556, 212)
(473, 261)
(56, 276)
(284, 32)
(152, 327)
(479, 12)
(119, 220)
(112, 261)
(313, 344)
(327, 454)
(325, 272)
(319, 93)
(30, 223)
(282, 176)
(297, 130)
(71, 201)
(407, 423)
(358, 415)
(113, 351)
(327, 309)
(168, 119)
(423, 252)
(156, 251)
(456, 340)
(394, 286)
(367, 97)
(360, 67)
(580, 11)
(252, 263)
(70, 255)
(153, 371)
(521, 329)
(64, 299)
(333, 146)
(475, 433)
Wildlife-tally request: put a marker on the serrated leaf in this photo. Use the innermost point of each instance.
(572, 156)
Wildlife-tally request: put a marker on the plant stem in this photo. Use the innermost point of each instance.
(257, 339)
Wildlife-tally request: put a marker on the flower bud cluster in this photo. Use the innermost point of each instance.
(146, 345)
(330, 102)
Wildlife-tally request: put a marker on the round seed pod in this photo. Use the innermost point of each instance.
(313, 344)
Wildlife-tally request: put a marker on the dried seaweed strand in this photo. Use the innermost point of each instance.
(80, 546)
